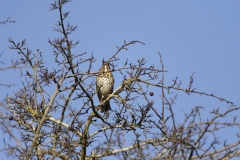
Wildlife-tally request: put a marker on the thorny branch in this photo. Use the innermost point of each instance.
(7, 21)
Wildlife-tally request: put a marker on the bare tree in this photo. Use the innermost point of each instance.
(66, 122)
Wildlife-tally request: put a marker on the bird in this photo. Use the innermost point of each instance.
(104, 85)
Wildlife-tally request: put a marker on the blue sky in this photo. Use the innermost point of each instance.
(192, 36)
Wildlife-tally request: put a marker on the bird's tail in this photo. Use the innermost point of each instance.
(106, 107)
